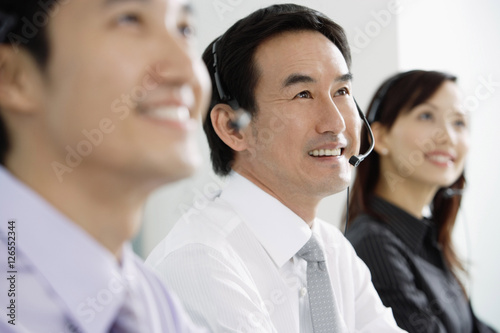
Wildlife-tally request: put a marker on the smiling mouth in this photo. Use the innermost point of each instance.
(441, 159)
(171, 113)
(325, 152)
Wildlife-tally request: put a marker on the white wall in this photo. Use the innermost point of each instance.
(387, 36)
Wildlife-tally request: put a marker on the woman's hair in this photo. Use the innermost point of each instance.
(397, 95)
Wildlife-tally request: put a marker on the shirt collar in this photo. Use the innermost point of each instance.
(75, 266)
(406, 226)
(279, 230)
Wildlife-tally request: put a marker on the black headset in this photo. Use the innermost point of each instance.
(355, 160)
(374, 112)
(233, 103)
(242, 116)
(7, 22)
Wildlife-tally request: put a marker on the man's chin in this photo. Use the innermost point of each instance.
(182, 170)
(336, 185)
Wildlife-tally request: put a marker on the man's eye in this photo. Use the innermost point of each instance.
(342, 92)
(129, 18)
(303, 94)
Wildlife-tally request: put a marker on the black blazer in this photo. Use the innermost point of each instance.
(409, 272)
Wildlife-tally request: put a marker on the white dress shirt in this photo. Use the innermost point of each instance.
(233, 264)
(65, 281)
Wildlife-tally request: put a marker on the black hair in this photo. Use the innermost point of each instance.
(236, 65)
(23, 25)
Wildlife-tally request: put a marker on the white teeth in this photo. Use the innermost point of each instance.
(175, 113)
(325, 152)
(187, 95)
(439, 158)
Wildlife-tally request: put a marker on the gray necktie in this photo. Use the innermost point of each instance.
(325, 317)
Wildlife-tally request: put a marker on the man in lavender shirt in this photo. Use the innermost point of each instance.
(99, 102)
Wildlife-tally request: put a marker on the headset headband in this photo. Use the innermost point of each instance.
(218, 82)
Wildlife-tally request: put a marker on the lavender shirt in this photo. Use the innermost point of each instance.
(57, 278)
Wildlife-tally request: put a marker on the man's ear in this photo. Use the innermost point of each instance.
(20, 81)
(380, 134)
(223, 118)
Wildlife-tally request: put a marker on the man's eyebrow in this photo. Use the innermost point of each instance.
(296, 78)
(302, 78)
(186, 8)
(344, 78)
(108, 3)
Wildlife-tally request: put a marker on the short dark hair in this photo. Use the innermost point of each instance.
(16, 18)
(236, 63)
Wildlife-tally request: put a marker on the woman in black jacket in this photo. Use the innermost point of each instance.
(422, 139)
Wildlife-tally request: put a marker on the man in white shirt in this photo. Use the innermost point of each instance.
(99, 101)
(238, 264)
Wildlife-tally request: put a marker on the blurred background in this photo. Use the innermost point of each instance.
(388, 36)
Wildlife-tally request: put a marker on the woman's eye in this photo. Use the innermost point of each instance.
(127, 19)
(342, 92)
(460, 123)
(187, 30)
(425, 116)
(303, 94)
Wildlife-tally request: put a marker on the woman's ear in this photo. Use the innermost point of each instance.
(223, 119)
(20, 81)
(380, 134)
